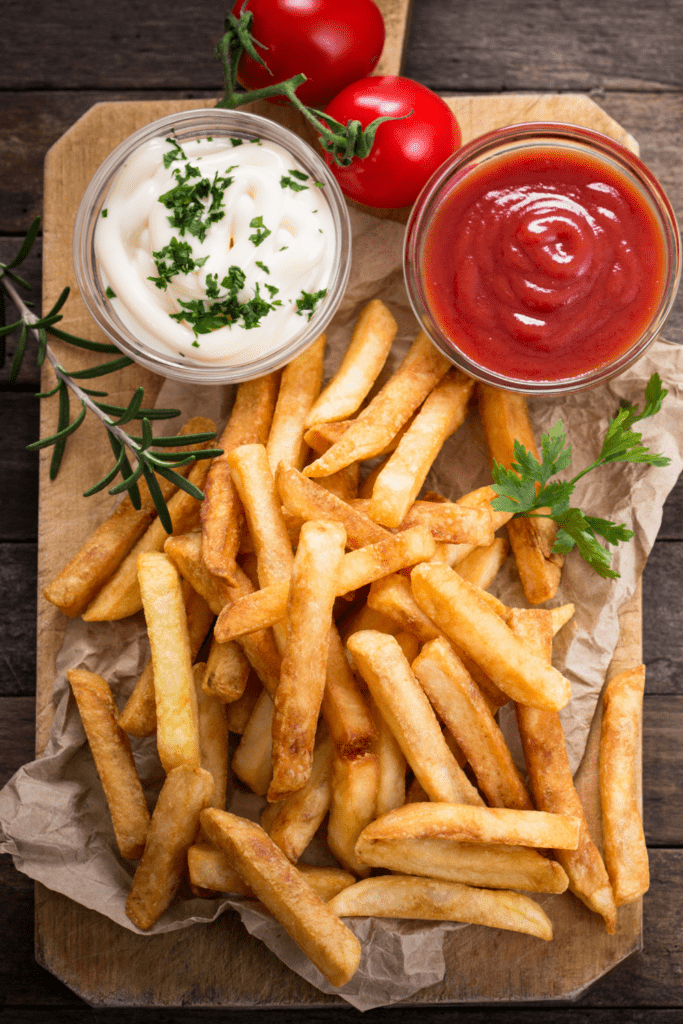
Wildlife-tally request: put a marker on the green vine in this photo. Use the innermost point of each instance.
(150, 453)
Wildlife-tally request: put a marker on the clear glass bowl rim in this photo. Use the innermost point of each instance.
(512, 138)
(199, 122)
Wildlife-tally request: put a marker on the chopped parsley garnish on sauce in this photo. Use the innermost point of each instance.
(174, 258)
(223, 312)
(263, 267)
(236, 142)
(287, 182)
(187, 201)
(105, 212)
(176, 153)
(110, 293)
(261, 233)
(308, 301)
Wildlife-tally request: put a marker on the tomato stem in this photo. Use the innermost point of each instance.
(342, 142)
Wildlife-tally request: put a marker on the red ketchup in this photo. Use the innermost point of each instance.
(543, 265)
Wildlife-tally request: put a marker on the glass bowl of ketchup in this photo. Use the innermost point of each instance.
(542, 258)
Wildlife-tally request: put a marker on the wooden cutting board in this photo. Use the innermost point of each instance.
(220, 964)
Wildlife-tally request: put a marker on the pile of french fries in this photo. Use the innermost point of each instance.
(342, 628)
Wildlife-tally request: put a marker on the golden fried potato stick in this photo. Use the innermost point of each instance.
(488, 866)
(173, 829)
(304, 662)
(174, 691)
(344, 708)
(467, 620)
(120, 597)
(622, 826)
(426, 899)
(300, 814)
(238, 713)
(210, 870)
(267, 606)
(469, 824)
(401, 479)
(422, 368)
(139, 715)
(252, 761)
(332, 947)
(227, 671)
(259, 648)
(447, 522)
(410, 717)
(222, 517)
(391, 787)
(505, 419)
(550, 777)
(352, 807)
(393, 597)
(344, 483)
(482, 565)
(461, 707)
(213, 737)
(323, 435)
(307, 499)
(363, 360)
(299, 388)
(97, 560)
(113, 758)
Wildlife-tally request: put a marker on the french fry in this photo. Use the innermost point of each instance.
(213, 738)
(227, 671)
(113, 758)
(393, 597)
(370, 345)
(391, 786)
(352, 807)
(622, 826)
(323, 435)
(300, 814)
(309, 500)
(139, 715)
(254, 481)
(357, 568)
(173, 829)
(409, 715)
(222, 517)
(551, 781)
(97, 560)
(447, 522)
(560, 616)
(482, 565)
(332, 947)
(252, 761)
(299, 388)
(175, 697)
(422, 368)
(488, 866)
(460, 705)
(210, 869)
(425, 899)
(344, 709)
(238, 713)
(458, 609)
(401, 479)
(505, 419)
(120, 596)
(304, 663)
(466, 823)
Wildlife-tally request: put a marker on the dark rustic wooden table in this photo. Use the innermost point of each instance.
(59, 59)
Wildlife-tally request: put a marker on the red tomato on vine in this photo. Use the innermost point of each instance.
(404, 152)
(332, 42)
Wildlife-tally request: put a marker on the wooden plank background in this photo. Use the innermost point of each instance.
(57, 60)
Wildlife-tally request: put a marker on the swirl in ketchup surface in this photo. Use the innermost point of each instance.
(543, 264)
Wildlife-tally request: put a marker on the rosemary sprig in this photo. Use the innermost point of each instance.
(149, 452)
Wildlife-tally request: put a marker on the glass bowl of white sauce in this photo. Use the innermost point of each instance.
(212, 246)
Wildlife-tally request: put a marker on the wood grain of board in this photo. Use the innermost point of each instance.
(107, 965)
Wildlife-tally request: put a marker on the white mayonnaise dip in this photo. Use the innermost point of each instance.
(293, 260)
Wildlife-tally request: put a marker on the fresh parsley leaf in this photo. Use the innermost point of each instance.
(109, 292)
(105, 212)
(195, 206)
(174, 258)
(263, 267)
(261, 233)
(176, 153)
(526, 489)
(299, 174)
(236, 142)
(308, 301)
(204, 318)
